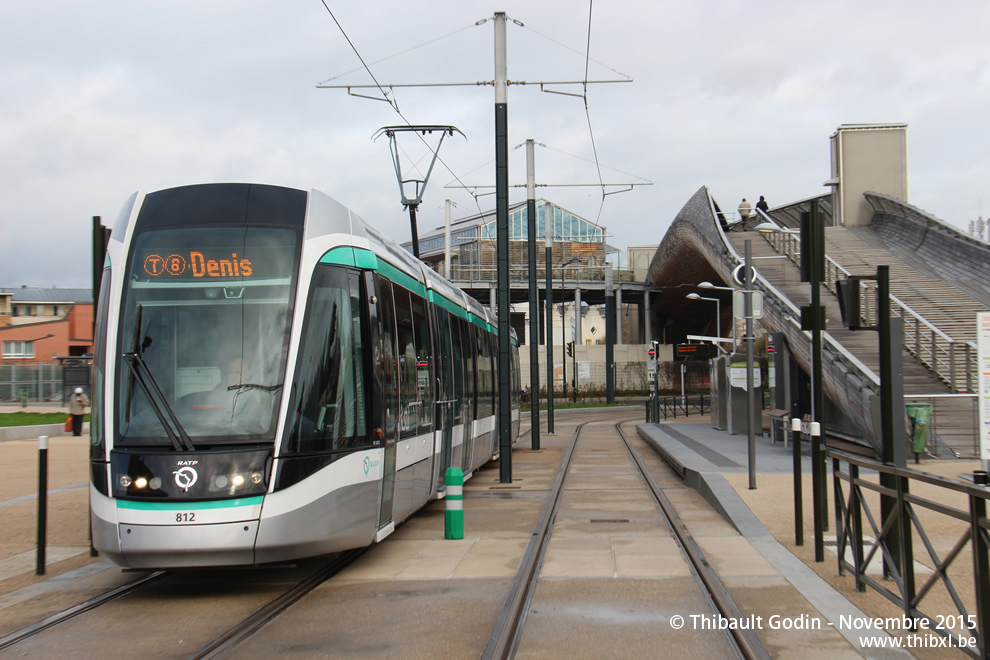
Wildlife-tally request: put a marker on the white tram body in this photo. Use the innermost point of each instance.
(276, 379)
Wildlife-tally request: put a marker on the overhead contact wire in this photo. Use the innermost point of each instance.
(392, 102)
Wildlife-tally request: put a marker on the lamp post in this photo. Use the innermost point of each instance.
(718, 310)
(709, 285)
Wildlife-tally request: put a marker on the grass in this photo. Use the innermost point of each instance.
(34, 419)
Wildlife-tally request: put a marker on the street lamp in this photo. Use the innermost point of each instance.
(709, 285)
(718, 310)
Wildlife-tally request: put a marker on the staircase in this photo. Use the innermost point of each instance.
(939, 321)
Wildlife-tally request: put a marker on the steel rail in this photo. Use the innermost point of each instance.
(254, 622)
(508, 629)
(76, 610)
(746, 641)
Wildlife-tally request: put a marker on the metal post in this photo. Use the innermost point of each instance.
(548, 320)
(798, 497)
(447, 250)
(609, 337)
(502, 244)
(577, 337)
(750, 385)
(813, 244)
(534, 305)
(42, 503)
(888, 447)
(981, 569)
(563, 335)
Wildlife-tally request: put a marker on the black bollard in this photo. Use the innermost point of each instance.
(798, 499)
(42, 503)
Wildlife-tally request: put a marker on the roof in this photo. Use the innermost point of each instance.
(30, 294)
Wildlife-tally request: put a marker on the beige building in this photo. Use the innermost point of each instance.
(866, 158)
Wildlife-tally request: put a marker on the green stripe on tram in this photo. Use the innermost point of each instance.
(361, 258)
(187, 506)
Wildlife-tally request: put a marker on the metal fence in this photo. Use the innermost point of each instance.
(31, 382)
(953, 570)
(669, 407)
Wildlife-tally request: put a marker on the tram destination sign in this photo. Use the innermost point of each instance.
(196, 264)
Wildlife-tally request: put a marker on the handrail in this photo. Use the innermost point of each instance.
(894, 526)
(939, 352)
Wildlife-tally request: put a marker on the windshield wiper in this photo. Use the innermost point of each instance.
(142, 374)
(161, 408)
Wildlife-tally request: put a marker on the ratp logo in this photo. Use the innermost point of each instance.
(185, 478)
(368, 464)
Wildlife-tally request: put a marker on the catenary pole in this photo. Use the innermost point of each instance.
(534, 305)
(502, 246)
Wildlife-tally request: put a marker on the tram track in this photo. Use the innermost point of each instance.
(508, 630)
(230, 639)
(69, 613)
(221, 643)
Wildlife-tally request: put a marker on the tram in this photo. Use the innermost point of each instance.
(276, 379)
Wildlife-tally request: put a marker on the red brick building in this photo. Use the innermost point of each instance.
(38, 325)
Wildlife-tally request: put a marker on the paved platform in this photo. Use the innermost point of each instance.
(607, 545)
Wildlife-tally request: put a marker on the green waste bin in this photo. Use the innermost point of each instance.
(921, 416)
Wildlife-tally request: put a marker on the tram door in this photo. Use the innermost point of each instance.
(446, 397)
(391, 400)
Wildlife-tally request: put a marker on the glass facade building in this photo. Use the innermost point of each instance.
(564, 226)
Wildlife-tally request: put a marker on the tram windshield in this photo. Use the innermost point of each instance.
(204, 335)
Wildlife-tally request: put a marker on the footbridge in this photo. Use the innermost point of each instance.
(939, 280)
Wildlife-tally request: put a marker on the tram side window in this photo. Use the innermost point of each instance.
(456, 370)
(406, 337)
(485, 408)
(424, 364)
(467, 362)
(493, 368)
(329, 412)
(388, 339)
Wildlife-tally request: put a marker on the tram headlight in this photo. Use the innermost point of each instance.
(239, 483)
(155, 483)
(125, 481)
(140, 482)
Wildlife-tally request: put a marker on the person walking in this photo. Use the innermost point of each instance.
(78, 403)
(762, 205)
(744, 209)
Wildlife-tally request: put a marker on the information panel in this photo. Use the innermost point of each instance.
(983, 365)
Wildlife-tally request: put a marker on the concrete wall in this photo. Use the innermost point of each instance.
(630, 365)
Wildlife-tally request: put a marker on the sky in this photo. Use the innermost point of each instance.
(100, 99)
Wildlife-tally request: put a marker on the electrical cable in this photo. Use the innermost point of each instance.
(392, 103)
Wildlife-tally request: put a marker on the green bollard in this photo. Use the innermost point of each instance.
(453, 517)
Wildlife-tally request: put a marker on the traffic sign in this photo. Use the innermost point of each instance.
(739, 304)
